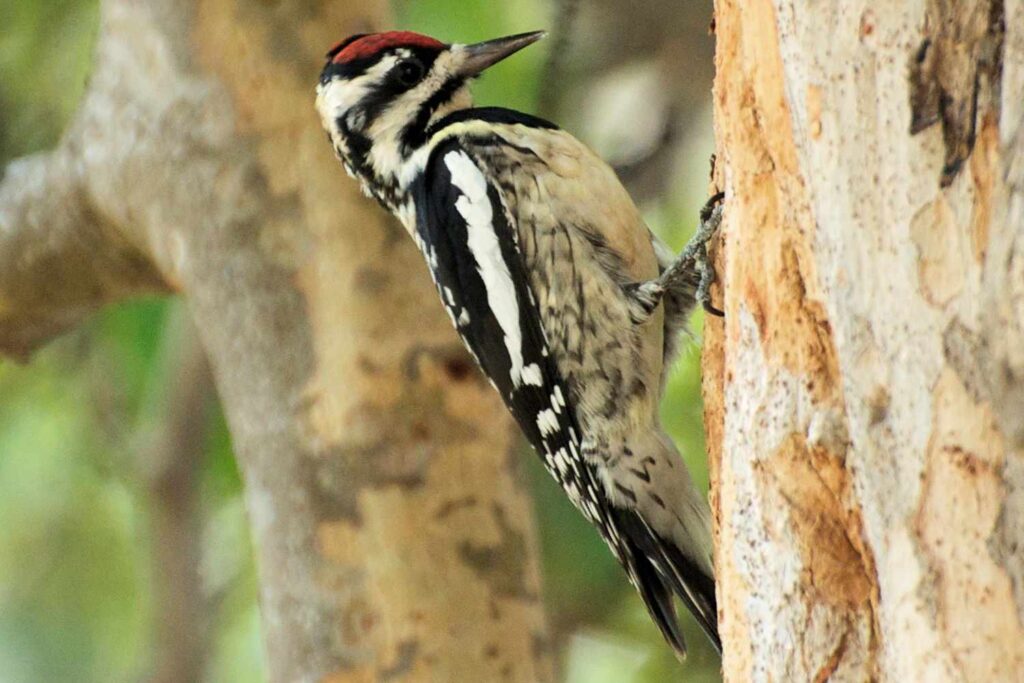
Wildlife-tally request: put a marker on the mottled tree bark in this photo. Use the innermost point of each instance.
(394, 540)
(865, 392)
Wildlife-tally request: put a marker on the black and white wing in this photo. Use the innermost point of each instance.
(471, 247)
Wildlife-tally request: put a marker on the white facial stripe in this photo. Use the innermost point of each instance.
(475, 208)
(386, 155)
(338, 96)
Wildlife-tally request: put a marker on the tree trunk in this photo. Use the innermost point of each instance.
(394, 539)
(865, 392)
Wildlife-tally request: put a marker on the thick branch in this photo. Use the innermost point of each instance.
(58, 261)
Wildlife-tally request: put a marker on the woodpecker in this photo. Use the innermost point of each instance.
(569, 304)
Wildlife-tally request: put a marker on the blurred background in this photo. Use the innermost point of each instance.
(113, 451)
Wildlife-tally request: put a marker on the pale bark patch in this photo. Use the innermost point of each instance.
(942, 248)
(959, 507)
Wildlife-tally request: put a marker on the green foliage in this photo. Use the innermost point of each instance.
(75, 579)
(72, 603)
(45, 53)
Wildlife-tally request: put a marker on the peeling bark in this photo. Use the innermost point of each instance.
(395, 541)
(865, 393)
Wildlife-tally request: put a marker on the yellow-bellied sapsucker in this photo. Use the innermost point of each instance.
(554, 283)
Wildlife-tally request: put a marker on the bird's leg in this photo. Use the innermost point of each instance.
(710, 220)
(694, 254)
(645, 296)
(707, 278)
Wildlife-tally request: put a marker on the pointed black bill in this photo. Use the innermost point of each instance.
(482, 55)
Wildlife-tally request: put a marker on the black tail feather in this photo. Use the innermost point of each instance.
(660, 569)
(658, 598)
(696, 589)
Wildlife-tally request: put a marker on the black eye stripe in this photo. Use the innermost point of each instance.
(415, 134)
(383, 92)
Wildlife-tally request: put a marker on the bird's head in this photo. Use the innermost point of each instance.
(379, 93)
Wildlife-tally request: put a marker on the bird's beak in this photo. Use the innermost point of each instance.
(480, 56)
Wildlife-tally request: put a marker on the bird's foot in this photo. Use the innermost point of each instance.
(694, 256)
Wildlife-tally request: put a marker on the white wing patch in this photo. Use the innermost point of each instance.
(547, 422)
(337, 97)
(532, 376)
(475, 207)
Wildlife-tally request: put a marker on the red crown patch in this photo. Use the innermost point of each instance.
(362, 47)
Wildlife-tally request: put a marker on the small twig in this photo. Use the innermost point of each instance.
(171, 477)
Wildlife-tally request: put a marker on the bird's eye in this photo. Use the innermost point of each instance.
(409, 71)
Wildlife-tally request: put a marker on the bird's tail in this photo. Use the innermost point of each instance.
(660, 569)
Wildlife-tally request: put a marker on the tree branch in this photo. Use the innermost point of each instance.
(58, 261)
(395, 539)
